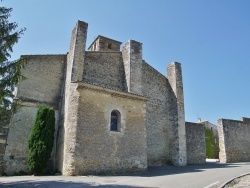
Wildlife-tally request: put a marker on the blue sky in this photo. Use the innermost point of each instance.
(211, 38)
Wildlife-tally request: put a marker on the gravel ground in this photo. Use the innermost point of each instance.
(240, 182)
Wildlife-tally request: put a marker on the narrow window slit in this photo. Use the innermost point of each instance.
(115, 121)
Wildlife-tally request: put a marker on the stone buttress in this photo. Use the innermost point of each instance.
(178, 152)
(75, 65)
(132, 58)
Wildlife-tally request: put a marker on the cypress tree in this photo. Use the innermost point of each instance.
(41, 139)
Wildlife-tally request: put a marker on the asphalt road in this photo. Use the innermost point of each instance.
(207, 175)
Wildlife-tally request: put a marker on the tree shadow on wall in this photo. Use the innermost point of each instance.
(59, 184)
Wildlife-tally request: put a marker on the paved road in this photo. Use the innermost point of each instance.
(192, 176)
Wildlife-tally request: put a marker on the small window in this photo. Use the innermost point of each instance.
(109, 46)
(115, 121)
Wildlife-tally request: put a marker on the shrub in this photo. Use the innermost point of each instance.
(41, 139)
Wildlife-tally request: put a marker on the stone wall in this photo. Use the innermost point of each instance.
(3, 137)
(16, 152)
(44, 79)
(97, 150)
(234, 140)
(154, 85)
(105, 68)
(196, 147)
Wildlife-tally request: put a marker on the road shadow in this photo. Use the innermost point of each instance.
(152, 172)
(170, 170)
(58, 184)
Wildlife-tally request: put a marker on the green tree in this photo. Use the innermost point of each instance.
(210, 147)
(41, 139)
(10, 71)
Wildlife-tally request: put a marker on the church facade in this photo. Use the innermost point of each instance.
(114, 112)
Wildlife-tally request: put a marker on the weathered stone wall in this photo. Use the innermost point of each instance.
(177, 132)
(234, 140)
(44, 75)
(154, 85)
(97, 150)
(16, 152)
(44, 80)
(105, 68)
(196, 146)
(4, 129)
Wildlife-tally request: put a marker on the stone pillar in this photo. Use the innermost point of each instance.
(74, 72)
(222, 153)
(77, 50)
(178, 153)
(132, 58)
(70, 126)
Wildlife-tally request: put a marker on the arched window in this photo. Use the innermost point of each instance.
(115, 121)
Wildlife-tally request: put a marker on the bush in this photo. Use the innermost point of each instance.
(41, 139)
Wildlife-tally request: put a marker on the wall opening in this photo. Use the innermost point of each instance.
(212, 146)
(109, 46)
(115, 121)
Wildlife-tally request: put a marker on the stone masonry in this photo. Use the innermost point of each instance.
(196, 149)
(45, 74)
(92, 91)
(234, 140)
(3, 137)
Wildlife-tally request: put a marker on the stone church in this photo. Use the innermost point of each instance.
(114, 112)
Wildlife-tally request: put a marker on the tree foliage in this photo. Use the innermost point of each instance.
(211, 146)
(10, 71)
(41, 139)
